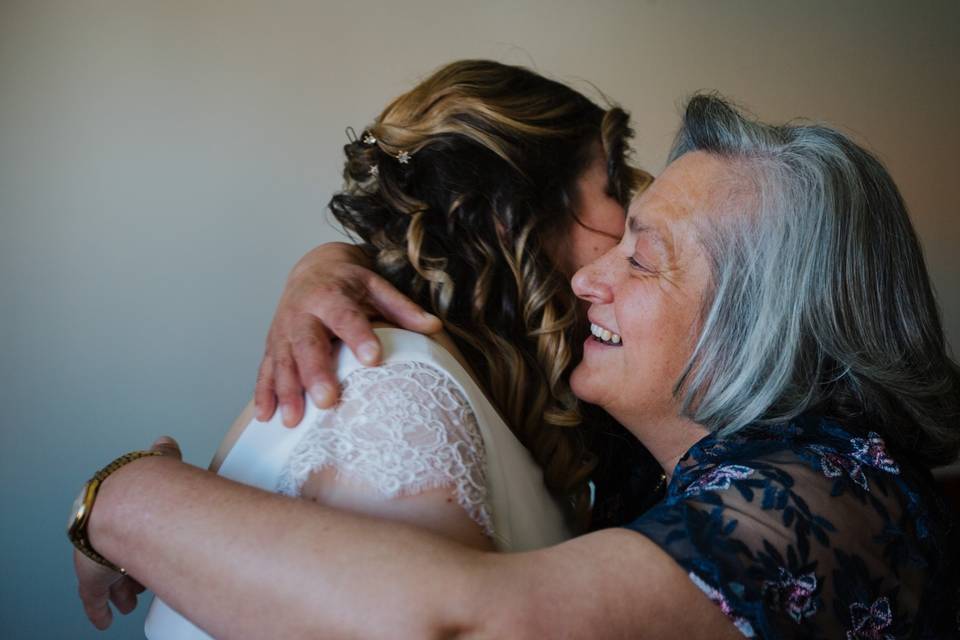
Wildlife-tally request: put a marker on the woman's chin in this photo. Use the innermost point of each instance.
(583, 383)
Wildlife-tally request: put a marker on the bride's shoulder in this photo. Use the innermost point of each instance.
(437, 350)
(438, 364)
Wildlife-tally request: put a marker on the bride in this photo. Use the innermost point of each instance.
(478, 193)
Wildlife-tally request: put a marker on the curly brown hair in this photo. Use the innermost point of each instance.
(457, 189)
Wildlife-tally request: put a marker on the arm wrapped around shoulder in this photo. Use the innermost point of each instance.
(403, 444)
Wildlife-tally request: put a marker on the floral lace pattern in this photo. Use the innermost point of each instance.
(400, 428)
(812, 530)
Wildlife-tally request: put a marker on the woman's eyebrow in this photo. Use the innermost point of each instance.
(637, 227)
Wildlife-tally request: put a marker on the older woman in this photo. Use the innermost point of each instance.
(765, 327)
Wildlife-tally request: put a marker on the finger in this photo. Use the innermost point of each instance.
(168, 447)
(123, 596)
(350, 323)
(398, 309)
(264, 394)
(135, 585)
(95, 598)
(98, 613)
(314, 357)
(289, 390)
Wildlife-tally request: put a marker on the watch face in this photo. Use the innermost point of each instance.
(78, 506)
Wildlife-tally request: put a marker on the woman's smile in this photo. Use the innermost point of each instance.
(605, 336)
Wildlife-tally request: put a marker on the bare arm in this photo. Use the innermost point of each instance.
(330, 293)
(244, 563)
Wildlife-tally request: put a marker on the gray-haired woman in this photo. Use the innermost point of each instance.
(766, 329)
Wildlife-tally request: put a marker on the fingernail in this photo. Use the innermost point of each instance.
(367, 352)
(287, 412)
(321, 394)
(262, 415)
(162, 440)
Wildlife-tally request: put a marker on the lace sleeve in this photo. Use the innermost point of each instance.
(400, 428)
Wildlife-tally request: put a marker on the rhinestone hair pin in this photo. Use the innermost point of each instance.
(403, 157)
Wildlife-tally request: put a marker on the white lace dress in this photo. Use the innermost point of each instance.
(416, 422)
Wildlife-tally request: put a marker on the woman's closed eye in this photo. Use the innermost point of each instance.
(636, 265)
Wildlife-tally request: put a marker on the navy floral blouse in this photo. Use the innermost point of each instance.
(812, 530)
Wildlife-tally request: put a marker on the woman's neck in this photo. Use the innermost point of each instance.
(668, 440)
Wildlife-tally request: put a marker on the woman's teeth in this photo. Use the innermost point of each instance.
(601, 334)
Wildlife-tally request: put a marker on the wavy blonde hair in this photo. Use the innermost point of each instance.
(457, 189)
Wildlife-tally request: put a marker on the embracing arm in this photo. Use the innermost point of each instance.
(330, 293)
(244, 563)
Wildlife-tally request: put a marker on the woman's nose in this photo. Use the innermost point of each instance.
(590, 284)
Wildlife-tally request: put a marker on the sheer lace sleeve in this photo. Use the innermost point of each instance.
(810, 531)
(400, 428)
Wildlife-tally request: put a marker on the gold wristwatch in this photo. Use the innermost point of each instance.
(83, 505)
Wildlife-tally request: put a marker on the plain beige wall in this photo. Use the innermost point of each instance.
(162, 165)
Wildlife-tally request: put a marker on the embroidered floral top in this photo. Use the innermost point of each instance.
(812, 530)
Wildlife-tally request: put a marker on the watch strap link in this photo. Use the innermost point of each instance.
(101, 475)
(84, 547)
(81, 541)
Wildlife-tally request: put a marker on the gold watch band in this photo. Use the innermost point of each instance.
(77, 531)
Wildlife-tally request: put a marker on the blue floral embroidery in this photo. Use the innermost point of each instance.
(835, 465)
(869, 622)
(796, 595)
(810, 529)
(872, 452)
(719, 479)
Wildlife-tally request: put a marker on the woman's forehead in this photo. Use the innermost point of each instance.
(678, 194)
